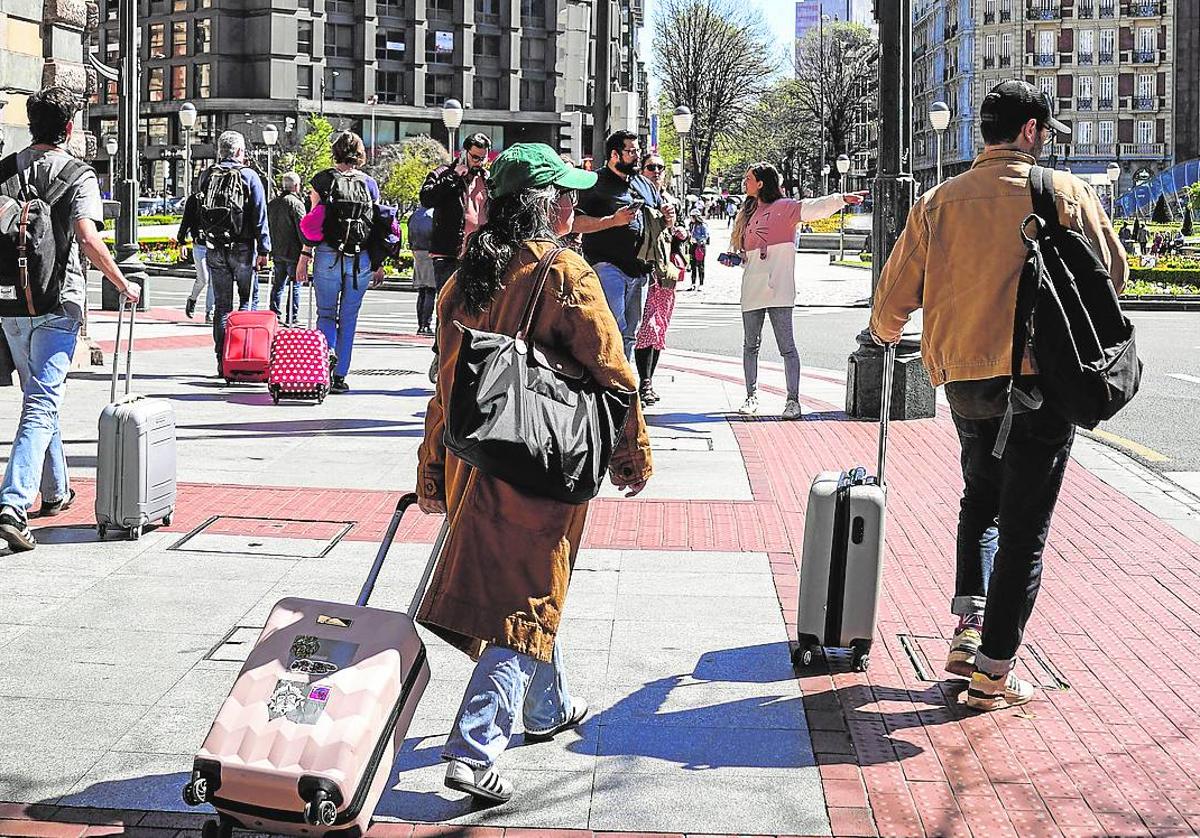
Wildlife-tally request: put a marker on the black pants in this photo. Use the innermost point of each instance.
(443, 268)
(426, 297)
(1003, 522)
(646, 359)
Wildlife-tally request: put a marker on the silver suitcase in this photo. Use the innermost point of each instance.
(135, 463)
(842, 563)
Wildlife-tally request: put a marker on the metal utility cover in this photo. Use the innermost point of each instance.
(927, 656)
(235, 646)
(687, 442)
(279, 537)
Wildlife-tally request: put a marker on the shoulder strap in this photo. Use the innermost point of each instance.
(539, 282)
(1041, 184)
(8, 169)
(66, 178)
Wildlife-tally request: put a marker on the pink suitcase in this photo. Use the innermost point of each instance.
(249, 336)
(305, 742)
(299, 363)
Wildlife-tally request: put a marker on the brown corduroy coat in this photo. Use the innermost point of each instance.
(503, 575)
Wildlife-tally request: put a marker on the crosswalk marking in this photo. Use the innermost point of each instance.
(1191, 379)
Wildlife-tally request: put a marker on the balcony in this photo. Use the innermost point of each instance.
(1044, 59)
(1085, 59)
(1107, 57)
(989, 17)
(1006, 61)
(1046, 12)
(1108, 10)
(1082, 104)
(1146, 8)
(1005, 15)
(1145, 56)
(1104, 104)
(1143, 151)
(1093, 150)
(988, 62)
(1145, 103)
(1086, 12)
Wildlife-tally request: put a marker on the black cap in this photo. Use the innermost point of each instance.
(1015, 102)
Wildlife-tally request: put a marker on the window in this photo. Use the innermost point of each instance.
(533, 53)
(179, 88)
(1144, 132)
(1083, 133)
(339, 40)
(202, 35)
(304, 81)
(1108, 85)
(533, 94)
(156, 130)
(389, 45)
(439, 47)
(110, 9)
(155, 84)
(1108, 42)
(487, 46)
(390, 8)
(533, 12)
(1085, 93)
(1147, 39)
(439, 9)
(158, 40)
(1145, 87)
(390, 85)
(1087, 46)
(1107, 132)
(487, 11)
(487, 92)
(1048, 85)
(180, 6)
(200, 81)
(438, 88)
(179, 41)
(341, 7)
(1045, 42)
(304, 37)
(1006, 48)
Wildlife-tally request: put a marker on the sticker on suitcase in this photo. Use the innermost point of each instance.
(319, 655)
(297, 701)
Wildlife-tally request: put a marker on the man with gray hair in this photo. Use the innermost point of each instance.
(233, 216)
(283, 217)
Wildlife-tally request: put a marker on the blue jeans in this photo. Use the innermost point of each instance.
(625, 295)
(1013, 497)
(502, 681)
(227, 266)
(284, 282)
(42, 348)
(340, 291)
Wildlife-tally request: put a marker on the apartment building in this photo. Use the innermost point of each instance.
(521, 68)
(1187, 81)
(1108, 64)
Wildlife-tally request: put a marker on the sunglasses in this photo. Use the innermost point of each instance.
(654, 167)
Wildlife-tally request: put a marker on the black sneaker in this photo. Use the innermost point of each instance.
(49, 509)
(15, 530)
(339, 385)
(189, 308)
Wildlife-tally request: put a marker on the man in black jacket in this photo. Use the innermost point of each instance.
(284, 214)
(189, 228)
(458, 195)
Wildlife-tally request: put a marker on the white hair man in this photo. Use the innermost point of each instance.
(283, 217)
(234, 221)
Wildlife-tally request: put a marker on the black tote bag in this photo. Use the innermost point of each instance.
(529, 418)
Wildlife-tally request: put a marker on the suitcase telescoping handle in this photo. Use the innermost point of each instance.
(112, 394)
(885, 405)
(402, 506)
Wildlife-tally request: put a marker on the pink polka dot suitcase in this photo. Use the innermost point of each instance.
(299, 365)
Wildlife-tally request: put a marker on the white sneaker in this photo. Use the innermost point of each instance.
(749, 406)
(483, 783)
(792, 410)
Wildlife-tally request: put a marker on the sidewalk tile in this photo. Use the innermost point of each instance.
(844, 794)
(451, 831)
(1128, 826)
(1068, 812)
(851, 823)
(517, 832)
(390, 830)
(40, 829)
(895, 814)
(947, 823)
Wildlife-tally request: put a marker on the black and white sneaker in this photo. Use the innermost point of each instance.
(50, 508)
(15, 530)
(483, 783)
(579, 711)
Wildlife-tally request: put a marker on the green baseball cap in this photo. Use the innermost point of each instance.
(526, 165)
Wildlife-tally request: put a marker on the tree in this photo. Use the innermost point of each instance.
(836, 82)
(313, 154)
(713, 56)
(1161, 214)
(1187, 220)
(778, 131)
(401, 169)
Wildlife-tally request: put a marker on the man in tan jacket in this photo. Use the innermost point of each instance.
(960, 258)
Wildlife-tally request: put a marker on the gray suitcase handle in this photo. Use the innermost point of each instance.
(402, 505)
(112, 393)
(885, 406)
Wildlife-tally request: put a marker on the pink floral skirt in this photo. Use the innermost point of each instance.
(660, 305)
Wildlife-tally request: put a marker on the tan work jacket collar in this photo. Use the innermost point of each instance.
(1000, 156)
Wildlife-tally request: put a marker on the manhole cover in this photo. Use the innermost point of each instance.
(383, 372)
(282, 537)
(927, 655)
(235, 646)
(689, 442)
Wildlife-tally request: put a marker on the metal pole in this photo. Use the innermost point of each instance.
(602, 84)
(269, 181)
(821, 61)
(187, 161)
(939, 156)
(126, 240)
(374, 150)
(842, 234)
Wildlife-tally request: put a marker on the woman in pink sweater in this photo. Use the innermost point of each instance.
(765, 236)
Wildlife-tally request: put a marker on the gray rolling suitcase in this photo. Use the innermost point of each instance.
(135, 463)
(842, 562)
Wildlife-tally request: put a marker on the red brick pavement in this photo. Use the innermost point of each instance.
(1118, 753)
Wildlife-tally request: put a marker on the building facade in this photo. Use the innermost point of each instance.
(1187, 81)
(521, 68)
(1108, 64)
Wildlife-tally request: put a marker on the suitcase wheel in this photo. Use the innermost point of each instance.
(860, 658)
(320, 811)
(806, 653)
(214, 829)
(166, 522)
(135, 532)
(103, 530)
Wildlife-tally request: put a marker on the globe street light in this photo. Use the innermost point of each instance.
(452, 117)
(1114, 174)
(939, 118)
(825, 179)
(270, 135)
(843, 166)
(372, 100)
(682, 119)
(110, 146)
(187, 121)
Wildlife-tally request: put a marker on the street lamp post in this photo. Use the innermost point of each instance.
(372, 100)
(843, 166)
(939, 118)
(187, 121)
(825, 179)
(1114, 174)
(452, 117)
(110, 146)
(821, 93)
(270, 135)
(682, 120)
(677, 171)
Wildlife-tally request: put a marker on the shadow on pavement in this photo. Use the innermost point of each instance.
(310, 427)
(683, 421)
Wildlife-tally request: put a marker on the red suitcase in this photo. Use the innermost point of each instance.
(299, 363)
(248, 339)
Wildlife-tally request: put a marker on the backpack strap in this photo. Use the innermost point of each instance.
(1041, 185)
(8, 171)
(66, 178)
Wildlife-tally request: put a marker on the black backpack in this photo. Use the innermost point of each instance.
(1068, 312)
(32, 268)
(349, 213)
(223, 206)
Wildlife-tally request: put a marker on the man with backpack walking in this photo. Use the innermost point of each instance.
(49, 204)
(962, 257)
(284, 214)
(233, 216)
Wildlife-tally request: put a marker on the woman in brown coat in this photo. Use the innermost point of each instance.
(501, 584)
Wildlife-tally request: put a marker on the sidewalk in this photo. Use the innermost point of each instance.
(115, 656)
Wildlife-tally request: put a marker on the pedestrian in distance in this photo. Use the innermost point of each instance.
(41, 337)
(420, 238)
(190, 229)
(613, 227)
(731, 208)
(284, 214)
(339, 263)
(501, 582)
(1141, 234)
(698, 240)
(233, 218)
(764, 236)
(651, 336)
(967, 344)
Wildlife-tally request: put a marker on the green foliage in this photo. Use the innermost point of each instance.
(313, 154)
(1166, 276)
(1143, 287)
(401, 169)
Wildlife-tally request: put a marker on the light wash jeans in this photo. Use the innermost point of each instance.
(340, 294)
(42, 348)
(199, 252)
(626, 296)
(781, 324)
(504, 680)
(228, 268)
